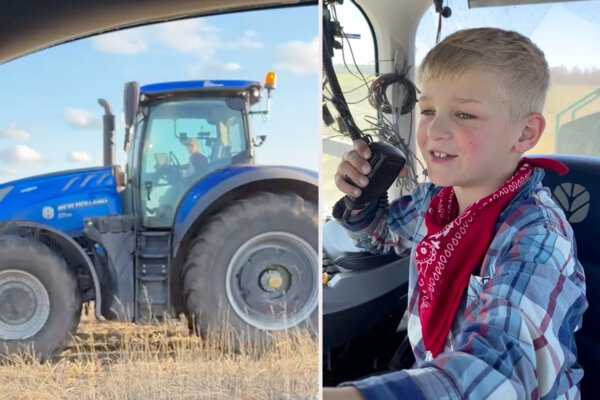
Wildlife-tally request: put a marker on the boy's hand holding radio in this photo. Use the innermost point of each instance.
(352, 176)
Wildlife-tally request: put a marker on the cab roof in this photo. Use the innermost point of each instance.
(32, 25)
(194, 86)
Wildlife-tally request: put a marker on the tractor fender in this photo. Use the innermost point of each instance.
(211, 193)
(71, 250)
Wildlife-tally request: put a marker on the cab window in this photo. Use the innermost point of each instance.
(567, 33)
(185, 141)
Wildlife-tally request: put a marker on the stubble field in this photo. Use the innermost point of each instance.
(111, 360)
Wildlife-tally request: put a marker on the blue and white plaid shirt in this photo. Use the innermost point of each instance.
(512, 337)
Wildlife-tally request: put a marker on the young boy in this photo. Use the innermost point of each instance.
(197, 163)
(495, 290)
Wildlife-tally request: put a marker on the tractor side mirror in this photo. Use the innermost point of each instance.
(131, 101)
(259, 140)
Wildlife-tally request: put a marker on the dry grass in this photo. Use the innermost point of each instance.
(109, 360)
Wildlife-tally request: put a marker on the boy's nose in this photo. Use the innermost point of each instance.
(439, 128)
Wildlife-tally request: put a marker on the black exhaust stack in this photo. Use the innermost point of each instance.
(108, 128)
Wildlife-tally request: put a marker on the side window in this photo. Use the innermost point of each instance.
(572, 108)
(162, 155)
(236, 136)
(231, 139)
(355, 65)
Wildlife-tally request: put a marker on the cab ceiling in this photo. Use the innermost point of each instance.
(32, 25)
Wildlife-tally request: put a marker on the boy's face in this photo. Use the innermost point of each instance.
(192, 147)
(466, 134)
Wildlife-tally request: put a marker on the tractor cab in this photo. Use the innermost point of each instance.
(181, 133)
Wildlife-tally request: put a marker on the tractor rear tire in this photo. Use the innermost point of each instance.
(253, 269)
(40, 303)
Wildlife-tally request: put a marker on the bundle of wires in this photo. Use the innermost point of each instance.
(381, 126)
(378, 92)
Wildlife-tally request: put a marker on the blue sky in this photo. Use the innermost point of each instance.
(51, 120)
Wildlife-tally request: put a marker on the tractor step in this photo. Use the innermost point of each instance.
(152, 275)
(152, 278)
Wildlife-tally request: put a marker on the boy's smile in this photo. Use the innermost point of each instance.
(466, 135)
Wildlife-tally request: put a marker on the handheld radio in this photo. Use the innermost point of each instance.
(386, 160)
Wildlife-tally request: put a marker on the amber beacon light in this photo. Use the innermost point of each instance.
(270, 81)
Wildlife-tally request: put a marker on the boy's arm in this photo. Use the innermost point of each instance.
(518, 342)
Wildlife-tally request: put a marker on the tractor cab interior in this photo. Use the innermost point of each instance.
(364, 295)
(174, 159)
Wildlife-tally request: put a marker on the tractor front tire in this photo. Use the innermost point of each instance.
(40, 303)
(253, 269)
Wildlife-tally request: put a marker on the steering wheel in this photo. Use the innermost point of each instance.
(173, 160)
(167, 170)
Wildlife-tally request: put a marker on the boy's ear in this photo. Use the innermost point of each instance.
(531, 132)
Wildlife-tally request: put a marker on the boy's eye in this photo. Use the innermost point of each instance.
(427, 112)
(463, 115)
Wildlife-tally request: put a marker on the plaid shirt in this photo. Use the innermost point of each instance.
(512, 337)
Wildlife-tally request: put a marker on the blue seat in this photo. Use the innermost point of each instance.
(578, 194)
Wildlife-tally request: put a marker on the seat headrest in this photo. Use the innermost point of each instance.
(578, 194)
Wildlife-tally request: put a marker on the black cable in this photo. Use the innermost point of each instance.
(381, 126)
(442, 11)
(338, 99)
(378, 92)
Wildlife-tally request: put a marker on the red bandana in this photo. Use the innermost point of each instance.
(455, 246)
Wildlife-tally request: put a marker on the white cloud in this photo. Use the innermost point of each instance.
(231, 66)
(128, 42)
(22, 154)
(190, 36)
(80, 156)
(299, 58)
(203, 69)
(247, 41)
(81, 118)
(12, 132)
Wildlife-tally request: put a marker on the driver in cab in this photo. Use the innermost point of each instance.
(197, 161)
(496, 292)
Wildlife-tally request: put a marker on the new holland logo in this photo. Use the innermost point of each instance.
(48, 212)
(574, 200)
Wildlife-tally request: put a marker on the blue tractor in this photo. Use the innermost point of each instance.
(190, 226)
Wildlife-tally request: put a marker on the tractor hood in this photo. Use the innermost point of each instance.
(61, 200)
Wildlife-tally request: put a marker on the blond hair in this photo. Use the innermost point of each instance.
(520, 65)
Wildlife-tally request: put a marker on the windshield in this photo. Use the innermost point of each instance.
(185, 140)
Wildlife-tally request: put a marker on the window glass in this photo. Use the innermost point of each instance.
(185, 140)
(567, 33)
